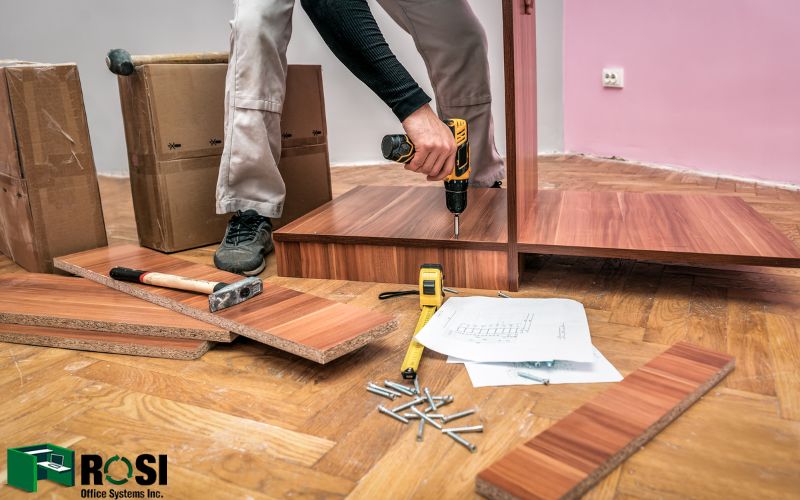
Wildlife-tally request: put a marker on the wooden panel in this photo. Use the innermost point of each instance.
(65, 302)
(519, 40)
(391, 264)
(680, 228)
(403, 216)
(571, 456)
(86, 340)
(312, 327)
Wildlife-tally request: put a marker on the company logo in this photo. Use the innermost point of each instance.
(27, 465)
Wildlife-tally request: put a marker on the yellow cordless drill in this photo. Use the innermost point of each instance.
(399, 148)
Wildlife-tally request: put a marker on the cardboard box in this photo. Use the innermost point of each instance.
(49, 197)
(174, 126)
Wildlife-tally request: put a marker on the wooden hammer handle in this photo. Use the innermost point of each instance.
(166, 280)
(192, 58)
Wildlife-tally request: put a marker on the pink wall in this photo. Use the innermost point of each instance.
(712, 85)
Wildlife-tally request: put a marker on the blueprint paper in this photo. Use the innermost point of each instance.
(486, 329)
(563, 372)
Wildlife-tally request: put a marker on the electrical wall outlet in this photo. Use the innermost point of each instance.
(613, 78)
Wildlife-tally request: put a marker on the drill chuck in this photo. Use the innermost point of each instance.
(455, 193)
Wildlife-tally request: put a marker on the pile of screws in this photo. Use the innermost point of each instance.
(430, 415)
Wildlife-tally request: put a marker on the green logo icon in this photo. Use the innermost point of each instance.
(27, 465)
(111, 479)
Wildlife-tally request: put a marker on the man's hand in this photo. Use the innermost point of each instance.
(434, 143)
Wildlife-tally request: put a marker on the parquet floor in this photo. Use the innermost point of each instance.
(246, 421)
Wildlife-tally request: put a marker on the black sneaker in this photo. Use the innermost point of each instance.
(248, 239)
(497, 184)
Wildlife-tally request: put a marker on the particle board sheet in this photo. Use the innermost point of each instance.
(65, 302)
(567, 459)
(303, 324)
(672, 227)
(86, 340)
(404, 216)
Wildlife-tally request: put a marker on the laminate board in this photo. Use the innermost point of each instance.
(572, 455)
(463, 268)
(66, 302)
(403, 216)
(86, 340)
(384, 234)
(654, 226)
(303, 324)
(522, 172)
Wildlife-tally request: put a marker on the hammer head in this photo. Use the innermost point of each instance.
(235, 293)
(120, 62)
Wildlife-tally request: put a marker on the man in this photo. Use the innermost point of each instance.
(450, 40)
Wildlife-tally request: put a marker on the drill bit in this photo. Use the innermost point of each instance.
(455, 226)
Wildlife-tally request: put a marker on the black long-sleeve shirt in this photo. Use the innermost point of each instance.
(349, 29)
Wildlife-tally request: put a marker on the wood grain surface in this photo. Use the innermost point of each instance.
(570, 457)
(470, 268)
(522, 171)
(303, 324)
(117, 343)
(403, 216)
(67, 302)
(384, 234)
(654, 226)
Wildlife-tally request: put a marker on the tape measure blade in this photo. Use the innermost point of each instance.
(414, 352)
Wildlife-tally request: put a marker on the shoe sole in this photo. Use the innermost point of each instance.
(256, 270)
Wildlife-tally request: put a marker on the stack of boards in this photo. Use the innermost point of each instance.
(74, 313)
(89, 314)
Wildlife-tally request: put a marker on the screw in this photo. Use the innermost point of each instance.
(474, 428)
(416, 386)
(411, 416)
(420, 429)
(401, 388)
(441, 403)
(450, 290)
(460, 414)
(430, 399)
(448, 398)
(409, 404)
(392, 414)
(463, 442)
(545, 381)
(374, 386)
(501, 294)
(427, 418)
(379, 392)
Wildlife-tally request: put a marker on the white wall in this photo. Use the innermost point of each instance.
(83, 30)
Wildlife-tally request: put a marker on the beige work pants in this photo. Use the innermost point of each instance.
(447, 34)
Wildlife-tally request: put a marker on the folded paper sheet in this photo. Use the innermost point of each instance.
(486, 329)
(562, 372)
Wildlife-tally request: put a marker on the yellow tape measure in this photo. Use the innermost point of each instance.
(414, 352)
(431, 280)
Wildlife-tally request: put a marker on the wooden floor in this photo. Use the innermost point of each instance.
(248, 421)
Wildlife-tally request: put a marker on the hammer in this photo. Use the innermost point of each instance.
(220, 295)
(122, 63)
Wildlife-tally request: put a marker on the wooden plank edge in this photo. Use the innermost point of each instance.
(109, 346)
(114, 327)
(316, 355)
(488, 490)
(663, 256)
(389, 241)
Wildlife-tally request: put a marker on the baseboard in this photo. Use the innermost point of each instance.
(684, 170)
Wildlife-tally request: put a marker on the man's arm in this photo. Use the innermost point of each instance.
(349, 29)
